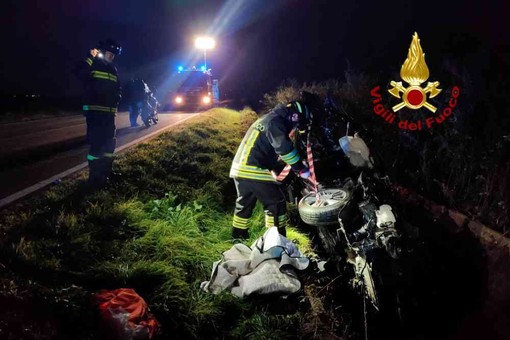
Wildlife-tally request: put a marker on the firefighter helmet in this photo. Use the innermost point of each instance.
(300, 114)
(111, 46)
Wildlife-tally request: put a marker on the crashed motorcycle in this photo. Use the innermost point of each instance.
(357, 223)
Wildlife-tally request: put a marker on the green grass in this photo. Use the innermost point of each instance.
(158, 231)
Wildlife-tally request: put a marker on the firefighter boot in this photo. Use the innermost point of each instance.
(282, 231)
(96, 177)
(110, 174)
(239, 234)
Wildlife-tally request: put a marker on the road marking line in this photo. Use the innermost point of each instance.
(22, 193)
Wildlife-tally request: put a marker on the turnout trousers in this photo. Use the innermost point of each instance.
(269, 194)
(101, 137)
(135, 110)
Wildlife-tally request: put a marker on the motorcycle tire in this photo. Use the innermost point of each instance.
(325, 213)
(147, 122)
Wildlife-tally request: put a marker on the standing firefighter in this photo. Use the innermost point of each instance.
(257, 162)
(134, 93)
(101, 99)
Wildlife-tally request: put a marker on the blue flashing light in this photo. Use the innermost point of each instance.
(180, 68)
(202, 68)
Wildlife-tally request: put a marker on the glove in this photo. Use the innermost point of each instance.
(305, 173)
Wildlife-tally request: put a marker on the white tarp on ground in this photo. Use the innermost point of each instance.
(269, 266)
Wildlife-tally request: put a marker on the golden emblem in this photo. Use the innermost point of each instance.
(415, 72)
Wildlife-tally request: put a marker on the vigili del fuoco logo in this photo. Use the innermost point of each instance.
(413, 95)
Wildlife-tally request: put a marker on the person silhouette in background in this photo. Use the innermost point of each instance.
(134, 92)
(102, 94)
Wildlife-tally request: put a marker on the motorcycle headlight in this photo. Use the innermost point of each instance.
(206, 100)
(179, 100)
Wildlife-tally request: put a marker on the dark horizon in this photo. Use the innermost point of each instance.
(259, 43)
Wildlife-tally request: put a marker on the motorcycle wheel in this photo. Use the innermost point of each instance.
(147, 122)
(326, 211)
(329, 239)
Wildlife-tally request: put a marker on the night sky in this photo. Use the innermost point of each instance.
(259, 42)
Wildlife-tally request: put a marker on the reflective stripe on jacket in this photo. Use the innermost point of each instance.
(265, 143)
(101, 85)
(99, 108)
(103, 75)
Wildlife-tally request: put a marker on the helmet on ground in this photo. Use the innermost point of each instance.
(111, 46)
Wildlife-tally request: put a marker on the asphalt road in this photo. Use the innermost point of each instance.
(35, 151)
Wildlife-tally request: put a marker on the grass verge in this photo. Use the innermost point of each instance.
(157, 231)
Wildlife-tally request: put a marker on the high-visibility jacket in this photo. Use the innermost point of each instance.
(266, 147)
(102, 86)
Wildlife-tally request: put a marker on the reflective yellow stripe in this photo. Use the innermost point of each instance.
(269, 221)
(98, 76)
(252, 169)
(109, 155)
(239, 222)
(246, 175)
(291, 158)
(88, 61)
(100, 73)
(251, 173)
(99, 108)
(102, 108)
(104, 75)
(282, 221)
(241, 219)
(249, 146)
(255, 177)
(242, 169)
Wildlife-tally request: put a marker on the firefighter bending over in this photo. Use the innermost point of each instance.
(101, 100)
(257, 162)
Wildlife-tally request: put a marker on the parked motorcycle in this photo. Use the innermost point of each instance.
(150, 111)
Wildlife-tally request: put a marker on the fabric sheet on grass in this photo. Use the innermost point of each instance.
(269, 266)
